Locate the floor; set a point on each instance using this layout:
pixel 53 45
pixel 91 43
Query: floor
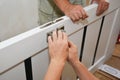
pixel 113 61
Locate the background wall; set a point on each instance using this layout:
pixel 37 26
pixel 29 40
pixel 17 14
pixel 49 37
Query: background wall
pixel 17 16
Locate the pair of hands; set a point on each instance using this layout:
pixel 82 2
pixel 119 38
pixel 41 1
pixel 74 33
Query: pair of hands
pixel 76 12
pixel 60 49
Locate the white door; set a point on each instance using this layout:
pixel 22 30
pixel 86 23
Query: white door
pixel 26 55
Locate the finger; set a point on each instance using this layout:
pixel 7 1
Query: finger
pixel 60 34
pixel 106 6
pixel 73 18
pixel 84 15
pixel 80 15
pixel 103 8
pixel 54 35
pixel 76 15
pixel 65 36
pixel 99 9
pixel 49 40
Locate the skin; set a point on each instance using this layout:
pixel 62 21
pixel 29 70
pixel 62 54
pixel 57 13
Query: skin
pixel 102 6
pixel 60 51
pixel 79 68
pixel 76 12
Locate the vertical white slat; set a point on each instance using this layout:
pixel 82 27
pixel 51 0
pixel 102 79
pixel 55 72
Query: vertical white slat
pixel 113 34
pixel 40 64
pixel 16 73
pixel 76 38
pixel 105 35
pixel 90 43
pixel 68 72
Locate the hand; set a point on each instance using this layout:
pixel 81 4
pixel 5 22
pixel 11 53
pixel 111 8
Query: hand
pixel 102 6
pixel 75 12
pixel 73 53
pixel 58 46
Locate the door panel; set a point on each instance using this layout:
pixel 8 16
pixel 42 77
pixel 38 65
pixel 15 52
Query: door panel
pixel 114 34
pixel 90 43
pixel 16 73
pixel 107 26
pixel 40 64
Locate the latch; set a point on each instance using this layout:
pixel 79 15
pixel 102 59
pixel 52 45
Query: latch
pixel 50 33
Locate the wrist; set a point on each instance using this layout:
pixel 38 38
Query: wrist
pixel 57 62
pixel 74 62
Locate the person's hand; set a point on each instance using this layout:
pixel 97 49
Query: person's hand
pixel 73 53
pixel 102 6
pixel 75 12
pixel 58 46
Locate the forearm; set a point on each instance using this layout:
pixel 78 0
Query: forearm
pixel 62 4
pixel 54 70
pixel 82 71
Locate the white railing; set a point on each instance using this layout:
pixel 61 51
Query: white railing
pixel 25 57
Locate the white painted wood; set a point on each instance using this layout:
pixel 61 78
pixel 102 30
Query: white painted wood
pixel 27 44
pixel 16 73
pixel 110 70
pixel 76 38
pixel 102 47
pixel 113 34
pixel 19 48
pixel 97 64
pixel 40 64
pixel 105 35
pixel 115 28
pixel 90 43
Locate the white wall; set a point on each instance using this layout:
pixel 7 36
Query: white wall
pixel 17 16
